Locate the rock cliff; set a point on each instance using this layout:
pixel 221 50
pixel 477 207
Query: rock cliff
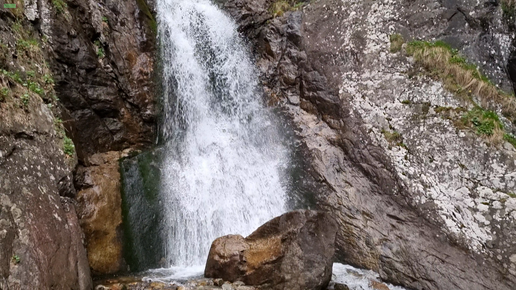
pixel 421 192
pixel 76 90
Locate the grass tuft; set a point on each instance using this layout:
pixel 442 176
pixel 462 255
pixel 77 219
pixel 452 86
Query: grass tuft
pixel 278 8
pixel 397 42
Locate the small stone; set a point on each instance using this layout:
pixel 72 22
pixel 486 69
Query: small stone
pixel 238 283
pixel 227 286
pixel 339 286
pixel 218 282
pixel 378 286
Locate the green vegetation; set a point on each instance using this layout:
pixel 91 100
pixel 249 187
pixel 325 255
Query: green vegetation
pixel 278 8
pixel 25 98
pixel 60 5
pixel 27 45
pixel 486 123
pixel 508 8
pixel 513 195
pixel 104 19
pixel 396 42
pixel 406 102
pixel 100 49
pixel 68 147
pixel 16 259
pixel 394 137
pixel 458 75
pixel 510 138
pixel 464 79
pixel 4 93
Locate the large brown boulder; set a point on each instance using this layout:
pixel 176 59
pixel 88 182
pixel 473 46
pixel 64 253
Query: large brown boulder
pixel 292 251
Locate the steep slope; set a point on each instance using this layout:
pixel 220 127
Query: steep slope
pixel 421 195
pixel 76 94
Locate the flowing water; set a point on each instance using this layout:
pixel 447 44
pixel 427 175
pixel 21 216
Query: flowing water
pixel 224 156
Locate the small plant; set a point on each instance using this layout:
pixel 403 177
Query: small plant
pixel 68 147
pixel 100 49
pixel 31 74
pixel 4 93
pixel 396 42
pixel 510 138
pixel 508 8
pixel 15 76
pixel 486 123
pixel 60 5
pixel 25 98
pixel 16 259
pixel 104 19
pixel 48 79
pixel 279 7
pixel 27 45
pixel 459 76
pixel 406 102
pixel 393 137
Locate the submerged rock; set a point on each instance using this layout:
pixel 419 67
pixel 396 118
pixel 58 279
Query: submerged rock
pixel 292 251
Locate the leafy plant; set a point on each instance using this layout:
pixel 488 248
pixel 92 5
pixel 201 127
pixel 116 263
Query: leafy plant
pixel 25 98
pixel 100 49
pixel 104 19
pixel 68 146
pixel 48 79
pixel 4 93
pixel 16 259
pixel 486 123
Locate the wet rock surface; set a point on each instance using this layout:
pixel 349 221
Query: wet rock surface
pixel 292 251
pixel 434 212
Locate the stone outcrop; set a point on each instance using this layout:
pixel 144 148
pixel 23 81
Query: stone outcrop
pixel 41 242
pixel 292 251
pixel 103 69
pixel 70 72
pixel 100 211
pixel 433 210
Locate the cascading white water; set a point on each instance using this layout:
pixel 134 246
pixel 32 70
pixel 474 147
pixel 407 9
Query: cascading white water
pixel 224 159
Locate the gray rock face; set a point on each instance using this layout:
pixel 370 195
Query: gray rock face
pixel 435 213
pixel 292 251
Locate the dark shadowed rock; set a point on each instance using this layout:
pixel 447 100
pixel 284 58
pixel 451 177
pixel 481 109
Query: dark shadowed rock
pixel 292 251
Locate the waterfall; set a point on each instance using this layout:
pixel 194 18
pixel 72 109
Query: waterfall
pixel 224 155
